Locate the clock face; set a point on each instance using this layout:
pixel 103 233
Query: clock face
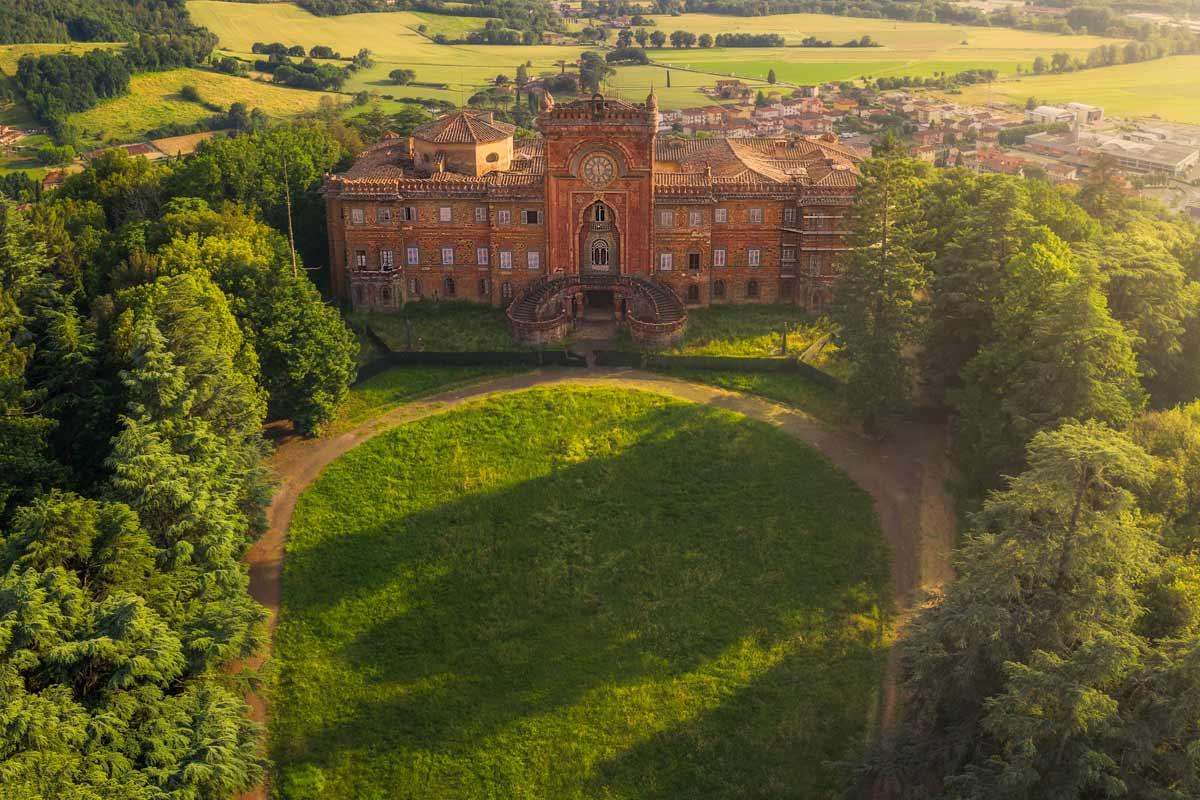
pixel 599 170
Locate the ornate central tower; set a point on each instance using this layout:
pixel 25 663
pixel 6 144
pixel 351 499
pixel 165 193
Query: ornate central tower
pixel 599 184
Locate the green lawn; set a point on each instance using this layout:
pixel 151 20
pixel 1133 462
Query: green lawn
pixel 578 593
pixel 750 330
pixel 789 388
pixel 442 326
pixel 385 391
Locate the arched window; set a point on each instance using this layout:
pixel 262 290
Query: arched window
pixel 448 287
pixel 693 293
pixel 600 213
pixel 506 290
pixel 600 253
pixel 752 289
pixel 485 287
pixel 360 297
pixel 414 287
pixel 718 288
pixel 385 294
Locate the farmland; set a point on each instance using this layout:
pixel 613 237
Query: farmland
pixel 154 100
pixel 1167 87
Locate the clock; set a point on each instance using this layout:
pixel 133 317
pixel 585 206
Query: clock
pixel 599 170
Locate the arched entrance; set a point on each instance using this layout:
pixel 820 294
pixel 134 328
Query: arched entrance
pixel 600 241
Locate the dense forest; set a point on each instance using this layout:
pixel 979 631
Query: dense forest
pixel 150 322
pixel 1058 331
pixel 89 20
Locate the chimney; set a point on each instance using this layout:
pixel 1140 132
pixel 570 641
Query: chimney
pixel 486 116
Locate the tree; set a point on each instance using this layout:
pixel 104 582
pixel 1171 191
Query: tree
pixel 1012 678
pixel 1039 65
pixel 641 37
pixel 403 76
pixel 657 38
pixel 625 38
pixel 771 76
pixel 705 40
pixel 522 75
pixel 876 310
pixel 593 71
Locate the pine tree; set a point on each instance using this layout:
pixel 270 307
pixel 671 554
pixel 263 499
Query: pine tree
pixel 876 305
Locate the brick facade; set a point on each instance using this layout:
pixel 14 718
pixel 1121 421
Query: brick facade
pixel 716 220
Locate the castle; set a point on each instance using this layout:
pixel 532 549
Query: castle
pixel 599 210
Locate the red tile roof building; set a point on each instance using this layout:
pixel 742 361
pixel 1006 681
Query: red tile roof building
pixel 460 210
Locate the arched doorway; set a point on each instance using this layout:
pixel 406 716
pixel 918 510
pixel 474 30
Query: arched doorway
pixel 600 243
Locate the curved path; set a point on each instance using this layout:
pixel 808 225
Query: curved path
pixel 906 476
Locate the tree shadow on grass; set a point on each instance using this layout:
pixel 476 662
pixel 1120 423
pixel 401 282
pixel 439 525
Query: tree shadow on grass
pixel 501 608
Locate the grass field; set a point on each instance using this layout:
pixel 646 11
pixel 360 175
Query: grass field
pixel 750 330
pixel 442 326
pixel 10 54
pixel 400 385
pixel 154 100
pixel 789 388
pixel 578 594
pixel 1168 87
pixel 909 48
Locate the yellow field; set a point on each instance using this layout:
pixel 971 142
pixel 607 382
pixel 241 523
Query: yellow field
pixel 154 100
pixel 1168 87
pixel 10 54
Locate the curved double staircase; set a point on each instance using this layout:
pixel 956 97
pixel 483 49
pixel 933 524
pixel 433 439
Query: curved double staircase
pixel 542 313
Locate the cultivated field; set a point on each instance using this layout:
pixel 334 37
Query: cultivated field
pixel 909 48
pixel 1168 87
pixel 154 100
pixel 10 54
pixel 578 593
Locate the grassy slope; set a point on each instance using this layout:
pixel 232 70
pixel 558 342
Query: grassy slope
pixel 579 593
pixel 1168 87
pixel 154 100
pixel 750 330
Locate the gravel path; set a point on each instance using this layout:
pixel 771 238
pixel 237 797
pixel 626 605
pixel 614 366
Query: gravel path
pixel 906 475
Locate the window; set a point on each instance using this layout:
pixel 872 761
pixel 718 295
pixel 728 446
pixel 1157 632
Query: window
pixel 360 295
pixel 599 213
pixel 385 215
pixel 414 287
pixel 789 216
pixel 385 294
pixel 814 265
pixel 600 253
pixel 356 216
pixel 485 287
pixel 408 214
pixel 752 256
pixel 360 259
pixel 752 289
pixel 532 216
pixel 755 216
pixel 719 257
pixel 448 287
pixel 721 215
pixel 448 256
pixel 694 261
pixel 506 259
pixel 789 253
pixel 693 294
pixel 481 213
pixel 718 288
pixel 445 214
pixel 413 256
pixel 387 260
pixel 506 290
pixel 665 262
pixel 666 218
pixel 533 259
pixel 695 219
pixel 492 158
pixel 504 217
pixel 481 256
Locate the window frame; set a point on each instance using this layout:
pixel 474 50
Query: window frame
pixel 445 214
pixel 482 256
pixel 387 260
pixel 358 216
pixel 666 261
pixel 503 216
pixel 533 260
pixel 753 257
pixel 412 255
pixel 721 215
pixel 754 215
pixel 506 259
pixel 447 249
pixel 481 214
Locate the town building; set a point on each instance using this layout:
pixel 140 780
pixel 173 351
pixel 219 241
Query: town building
pixel 460 210
pixel 1045 115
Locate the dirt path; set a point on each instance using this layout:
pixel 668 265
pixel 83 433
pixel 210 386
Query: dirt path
pixel 905 475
